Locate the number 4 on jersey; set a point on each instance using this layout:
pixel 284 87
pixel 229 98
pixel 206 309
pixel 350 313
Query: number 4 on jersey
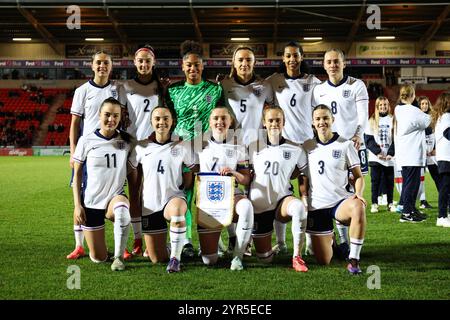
pixel 160 167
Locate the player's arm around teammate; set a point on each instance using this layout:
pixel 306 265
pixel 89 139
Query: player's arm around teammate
pixel 271 192
pixel 105 153
pixel 162 163
pixel 222 155
pixel 329 159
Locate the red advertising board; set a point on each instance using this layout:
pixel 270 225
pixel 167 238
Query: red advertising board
pixel 16 152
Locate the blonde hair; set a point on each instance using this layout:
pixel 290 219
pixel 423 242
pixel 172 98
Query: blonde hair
pixel 406 92
pixel 442 106
pixel 374 120
pixel 233 69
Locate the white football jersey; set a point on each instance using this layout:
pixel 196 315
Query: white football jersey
pixel 273 166
pixel 216 156
pixel 140 100
pixel 162 167
pixel 349 103
pixel 410 146
pixel 442 143
pixel 87 100
pixel 106 163
pixel 328 166
pixel 247 102
pixel 430 140
pixel 294 96
pixel 383 138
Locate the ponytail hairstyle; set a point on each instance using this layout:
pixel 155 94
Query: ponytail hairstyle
pixel 406 92
pixel 233 69
pixel 442 106
pixel 304 67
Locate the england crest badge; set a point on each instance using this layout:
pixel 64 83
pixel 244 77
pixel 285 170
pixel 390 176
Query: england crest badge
pixel 175 152
pixel 216 191
pixel 287 155
pixel 306 87
pixel 336 154
pixel 346 93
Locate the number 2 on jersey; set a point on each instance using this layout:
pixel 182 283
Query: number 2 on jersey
pixel 147 103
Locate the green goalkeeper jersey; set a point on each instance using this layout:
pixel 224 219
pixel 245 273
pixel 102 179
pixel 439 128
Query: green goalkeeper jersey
pixel 193 103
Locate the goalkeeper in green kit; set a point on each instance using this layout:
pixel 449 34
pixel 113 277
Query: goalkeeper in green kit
pixel 192 99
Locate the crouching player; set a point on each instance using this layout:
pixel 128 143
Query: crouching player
pixel 104 152
pixel 329 159
pixel 164 200
pixel 275 163
pixel 220 154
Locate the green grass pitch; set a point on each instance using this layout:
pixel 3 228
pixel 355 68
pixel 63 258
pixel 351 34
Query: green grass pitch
pixel 36 235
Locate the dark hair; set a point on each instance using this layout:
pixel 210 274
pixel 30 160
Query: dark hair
pixel 101 52
pixel 320 107
pixel 110 100
pixel 162 105
pixel 146 47
pixel 191 47
pixel 234 122
pixel 304 67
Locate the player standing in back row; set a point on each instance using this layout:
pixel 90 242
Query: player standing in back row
pixel 193 99
pixel 348 100
pixel 293 88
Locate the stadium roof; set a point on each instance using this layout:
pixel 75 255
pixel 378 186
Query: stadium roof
pixel 267 21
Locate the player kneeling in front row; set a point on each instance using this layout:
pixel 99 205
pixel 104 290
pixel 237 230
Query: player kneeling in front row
pixel 105 152
pixel 329 159
pixel 164 200
pixel 275 163
pixel 220 154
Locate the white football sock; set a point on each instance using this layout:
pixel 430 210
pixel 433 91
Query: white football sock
pixel 343 232
pixel 79 236
pixel 355 248
pixel 244 226
pixel 137 227
pixel 296 209
pixel 121 227
pixel 177 236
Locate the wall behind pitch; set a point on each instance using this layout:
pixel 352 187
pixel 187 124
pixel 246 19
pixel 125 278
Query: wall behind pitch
pixel 32 51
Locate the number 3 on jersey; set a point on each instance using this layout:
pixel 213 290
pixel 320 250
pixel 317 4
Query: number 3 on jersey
pixel 160 167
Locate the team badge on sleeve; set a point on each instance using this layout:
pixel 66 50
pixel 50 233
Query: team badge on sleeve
pixel 216 191
pixel 287 155
pixel 336 154
pixel 346 93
